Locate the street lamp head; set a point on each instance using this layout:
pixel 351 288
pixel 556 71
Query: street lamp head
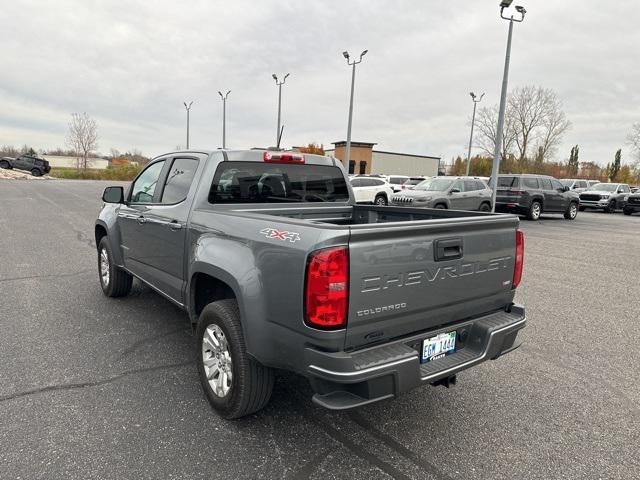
pixel 473 95
pixel 285 77
pixel 481 96
pixel 229 91
pixel 506 3
pixel 275 77
pixel 345 54
pixel 521 10
pixel 220 93
pixel 363 53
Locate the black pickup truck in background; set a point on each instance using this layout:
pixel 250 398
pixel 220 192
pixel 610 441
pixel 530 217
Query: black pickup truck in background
pixel 30 163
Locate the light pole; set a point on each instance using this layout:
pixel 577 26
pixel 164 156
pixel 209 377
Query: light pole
pixel 224 117
pixel 473 121
pixel 347 153
pixel 495 170
pixel 279 84
pixel 188 108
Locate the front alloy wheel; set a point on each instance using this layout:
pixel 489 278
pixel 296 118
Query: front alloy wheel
pixel 104 268
pixel 217 361
pixel 381 200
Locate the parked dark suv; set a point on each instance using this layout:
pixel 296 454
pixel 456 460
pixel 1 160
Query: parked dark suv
pixel 37 166
pixel 633 204
pixel 532 195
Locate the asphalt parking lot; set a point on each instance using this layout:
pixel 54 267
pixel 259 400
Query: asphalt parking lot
pixel 92 387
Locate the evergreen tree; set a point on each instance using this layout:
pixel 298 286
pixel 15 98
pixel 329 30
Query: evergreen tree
pixel 614 168
pixel 573 161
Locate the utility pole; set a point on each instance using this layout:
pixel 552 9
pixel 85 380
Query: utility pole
pixel 473 121
pixel 224 117
pixel 495 170
pixel 279 84
pixel 353 63
pixel 188 108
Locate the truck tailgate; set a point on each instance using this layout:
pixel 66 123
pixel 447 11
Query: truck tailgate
pixel 413 276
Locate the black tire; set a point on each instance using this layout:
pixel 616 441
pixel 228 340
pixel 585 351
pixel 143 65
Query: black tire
pixel 572 211
pixel 118 283
pixel 485 207
pixel 36 173
pixel 441 206
pixel 626 211
pixel 535 210
pixel 5 164
pixel 381 200
pixel 611 207
pixel 251 382
pixel 581 208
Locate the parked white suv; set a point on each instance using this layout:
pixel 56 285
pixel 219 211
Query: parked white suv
pixel 396 181
pixel 371 190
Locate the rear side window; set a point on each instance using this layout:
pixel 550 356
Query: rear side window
pixel 507 182
pixel 470 186
pixel 528 182
pixel 545 184
pixel 179 180
pixel 397 180
pixel 258 182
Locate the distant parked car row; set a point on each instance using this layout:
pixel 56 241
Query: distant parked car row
pixel 529 195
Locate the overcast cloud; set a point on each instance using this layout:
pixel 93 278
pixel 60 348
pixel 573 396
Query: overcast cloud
pixel 130 65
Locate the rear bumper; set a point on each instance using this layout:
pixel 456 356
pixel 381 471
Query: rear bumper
pixel 509 207
pixel 346 380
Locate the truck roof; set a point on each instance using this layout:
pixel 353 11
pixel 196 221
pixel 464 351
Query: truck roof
pixel 257 155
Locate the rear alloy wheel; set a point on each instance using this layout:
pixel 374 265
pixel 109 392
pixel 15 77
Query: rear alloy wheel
pixel 611 208
pixel 572 211
pixel 534 210
pixel 5 164
pixel 234 383
pixel 381 200
pixel 36 173
pixel 485 207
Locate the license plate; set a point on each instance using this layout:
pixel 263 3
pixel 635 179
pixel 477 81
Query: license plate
pixel 437 347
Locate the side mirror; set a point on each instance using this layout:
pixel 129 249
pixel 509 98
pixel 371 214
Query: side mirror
pixel 454 190
pixel 566 189
pixel 113 195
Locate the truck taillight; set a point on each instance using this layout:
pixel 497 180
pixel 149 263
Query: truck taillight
pixel 517 271
pixel 327 288
pixel 277 157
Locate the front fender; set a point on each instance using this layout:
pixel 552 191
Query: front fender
pixel 108 219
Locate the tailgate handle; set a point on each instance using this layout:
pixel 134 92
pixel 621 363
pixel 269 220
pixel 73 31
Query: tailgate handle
pixel 447 249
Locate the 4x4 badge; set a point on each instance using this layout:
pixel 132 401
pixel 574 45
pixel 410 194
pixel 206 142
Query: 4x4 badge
pixel 280 234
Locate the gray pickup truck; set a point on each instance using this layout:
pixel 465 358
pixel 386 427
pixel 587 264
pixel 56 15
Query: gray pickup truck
pixel 278 268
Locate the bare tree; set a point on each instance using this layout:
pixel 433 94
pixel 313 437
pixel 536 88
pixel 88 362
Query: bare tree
pixel 633 139
pixel 553 129
pixel 82 137
pixel 534 122
pixel 486 123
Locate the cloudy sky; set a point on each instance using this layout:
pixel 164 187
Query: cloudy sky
pixel 130 65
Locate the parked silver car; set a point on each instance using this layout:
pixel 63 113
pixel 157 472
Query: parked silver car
pixel 456 193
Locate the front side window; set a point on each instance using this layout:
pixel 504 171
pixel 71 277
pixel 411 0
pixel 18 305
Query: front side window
pixel 144 187
pixel 434 185
pixel 557 185
pixel 179 180
pixel 258 182
pixel 625 189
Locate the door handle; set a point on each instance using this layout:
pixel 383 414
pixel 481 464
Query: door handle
pixel 447 249
pixel 141 220
pixel 175 225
